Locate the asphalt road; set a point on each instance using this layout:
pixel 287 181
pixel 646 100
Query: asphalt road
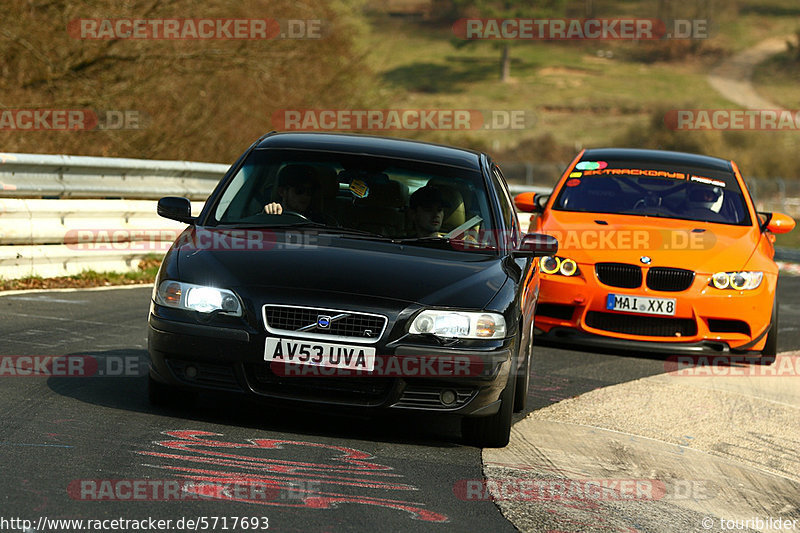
pixel 66 440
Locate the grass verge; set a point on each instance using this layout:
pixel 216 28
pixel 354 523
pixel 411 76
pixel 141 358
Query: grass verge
pixel 145 274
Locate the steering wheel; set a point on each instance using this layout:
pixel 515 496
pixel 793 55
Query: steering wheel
pixel 649 201
pixel 295 213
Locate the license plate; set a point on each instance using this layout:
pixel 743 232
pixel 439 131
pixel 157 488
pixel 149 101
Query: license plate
pixel 641 304
pixel 319 354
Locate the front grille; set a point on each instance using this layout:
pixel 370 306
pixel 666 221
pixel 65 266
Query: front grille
pixel 366 391
pixel 204 374
pixel 619 275
pixel 428 398
pixel 561 311
pixel 642 325
pixel 719 325
pixel 669 279
pixel 305 322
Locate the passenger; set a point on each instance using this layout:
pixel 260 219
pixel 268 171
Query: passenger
pixel 426 209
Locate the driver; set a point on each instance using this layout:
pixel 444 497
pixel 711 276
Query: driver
pixel 296 186
pixel 426 209
pixel 705 197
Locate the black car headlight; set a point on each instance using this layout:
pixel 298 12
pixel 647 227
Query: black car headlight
pixel 459 324
pixel 199 298
pixel 738 281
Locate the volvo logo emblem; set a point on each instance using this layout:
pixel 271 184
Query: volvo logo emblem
pixel 323 321
pixel 645 259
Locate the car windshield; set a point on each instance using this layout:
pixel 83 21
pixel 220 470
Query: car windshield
pixel 358 195
pixel 628 188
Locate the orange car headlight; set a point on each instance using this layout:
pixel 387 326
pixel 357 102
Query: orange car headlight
pixel 745 280
pixel 558 265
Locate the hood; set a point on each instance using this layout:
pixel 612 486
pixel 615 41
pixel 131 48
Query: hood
pixel 339 269
pixel 704 247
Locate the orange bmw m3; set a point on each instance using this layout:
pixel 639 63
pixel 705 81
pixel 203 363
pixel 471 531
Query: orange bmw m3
pixel 658 251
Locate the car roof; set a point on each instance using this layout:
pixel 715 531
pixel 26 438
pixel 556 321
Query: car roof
pixel 658 156
pixel 373 145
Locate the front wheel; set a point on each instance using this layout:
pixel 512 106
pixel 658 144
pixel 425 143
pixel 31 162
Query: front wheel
pixel 523 379
pixel 493 431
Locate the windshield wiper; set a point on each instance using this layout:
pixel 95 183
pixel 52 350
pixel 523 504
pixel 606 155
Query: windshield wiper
pixel 423 239
pixel 343 231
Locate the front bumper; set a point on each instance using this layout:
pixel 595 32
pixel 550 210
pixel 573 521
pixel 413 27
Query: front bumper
pixel 209 357
pixel 573 310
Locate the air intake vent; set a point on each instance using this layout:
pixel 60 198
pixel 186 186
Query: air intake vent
pixel 642 325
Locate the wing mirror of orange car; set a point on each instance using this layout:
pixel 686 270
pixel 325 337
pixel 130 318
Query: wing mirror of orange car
pixel 536 245
pixel 531 202
pixel 777 222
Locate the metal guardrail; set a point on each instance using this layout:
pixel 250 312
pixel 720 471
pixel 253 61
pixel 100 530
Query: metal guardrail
pixel 50 204
pixel 65 176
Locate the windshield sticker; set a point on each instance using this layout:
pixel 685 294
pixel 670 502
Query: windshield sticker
pixel 637 172
pixel 575 174
pixel 591 165
pixel 359 189
pixel 708 181
pixel 574 182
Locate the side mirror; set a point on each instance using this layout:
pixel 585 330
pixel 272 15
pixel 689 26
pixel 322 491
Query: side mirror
pixel 531 202
pixel 536 245
pixel 176 208
pixel 777 223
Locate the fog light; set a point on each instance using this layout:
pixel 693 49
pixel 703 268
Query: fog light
pixel 448 397
pixel 191 372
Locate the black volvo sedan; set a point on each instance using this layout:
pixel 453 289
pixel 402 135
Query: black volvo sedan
pixel 352 271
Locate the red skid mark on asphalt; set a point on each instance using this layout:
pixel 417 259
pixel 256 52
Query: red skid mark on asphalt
pixel 348 468
pixel 278 469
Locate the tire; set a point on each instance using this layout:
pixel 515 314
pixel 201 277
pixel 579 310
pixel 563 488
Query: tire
pixel 524 378
pixel 493 431
pixel 770 350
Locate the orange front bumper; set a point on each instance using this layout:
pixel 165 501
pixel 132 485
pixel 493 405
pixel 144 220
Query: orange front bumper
pixel 738 319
